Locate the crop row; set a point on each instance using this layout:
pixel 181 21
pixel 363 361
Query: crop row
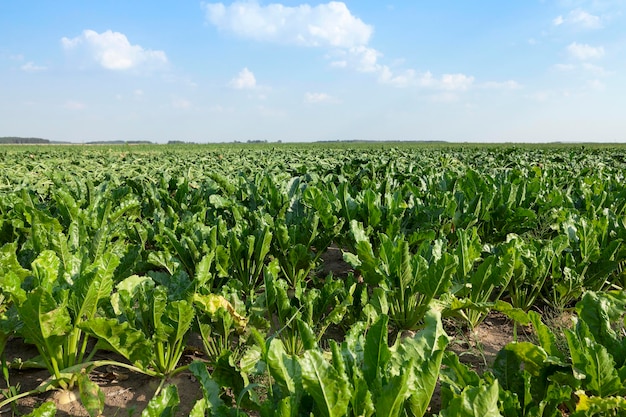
pixel 137 250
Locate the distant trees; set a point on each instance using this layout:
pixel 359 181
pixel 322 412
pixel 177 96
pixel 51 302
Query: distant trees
pixel 18 140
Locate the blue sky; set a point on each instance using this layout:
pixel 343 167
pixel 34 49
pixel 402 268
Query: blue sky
pixel 482 71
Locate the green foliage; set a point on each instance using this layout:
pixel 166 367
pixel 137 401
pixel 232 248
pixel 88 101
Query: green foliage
pixel 164 404
pixel 410 282
pixel 137 247
pixel 149 329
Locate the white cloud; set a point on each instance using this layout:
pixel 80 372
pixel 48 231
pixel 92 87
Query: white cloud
pixel 403 79
pixel 584 51
pixel 315 98
pixel 595 70
pixel 113 51
pixel 564 67
pixel 31 67
pixel 456 82
pixel 245 80
pixel 366 58
pixel 584 19
pixel 579 18
pixel 329 24
pixel 339 64
pixel 361 58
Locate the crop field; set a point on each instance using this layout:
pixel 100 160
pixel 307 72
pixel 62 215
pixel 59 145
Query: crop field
pixel 313 280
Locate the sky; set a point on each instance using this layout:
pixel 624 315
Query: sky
pixel 468 71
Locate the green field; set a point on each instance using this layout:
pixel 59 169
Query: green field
pixel 120 255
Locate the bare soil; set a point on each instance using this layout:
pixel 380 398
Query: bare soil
pixel 126 393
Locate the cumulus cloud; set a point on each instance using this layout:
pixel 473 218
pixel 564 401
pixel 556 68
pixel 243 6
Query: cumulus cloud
pixel 584 19
pixel 245 80
pixel 585 52
pixel 315 98
pixel 456 82
pixel 31 67
pixel 113 51
pixel 446 82
pixel 403 78
pixel 580 18
pixel 329 24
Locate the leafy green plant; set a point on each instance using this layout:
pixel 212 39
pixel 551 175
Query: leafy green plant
pixel 476 285
pixel 365 376
pixel 53 310
pixel 248 250
pixel 300 317
pixel 590 263
pixel 303 229
pixel 149 329
pixel 536 261
pixel 219 323
pixel 164 404
pixel 409 281
pixel 585 379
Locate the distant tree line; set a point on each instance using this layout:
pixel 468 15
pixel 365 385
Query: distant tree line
pixel 17 140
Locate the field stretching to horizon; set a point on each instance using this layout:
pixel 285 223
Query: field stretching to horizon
pixel 323 279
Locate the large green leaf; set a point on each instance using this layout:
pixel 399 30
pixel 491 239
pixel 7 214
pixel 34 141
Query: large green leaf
pixel 46 270
pixel 121 338
pixel 164 404
pixel 210 388
pixel 284 368
pixel 91 396
pixel 547 338
pixel 468 251
pixel 390 399
pixel 92 287
pixel 47 409
pixel 481 401
pixel 330 389
pixel 46 322
pixel 376 353
pixel 420 357
pixel 598 366
pixel 601 313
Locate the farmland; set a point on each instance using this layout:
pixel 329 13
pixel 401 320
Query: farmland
pixel 213 264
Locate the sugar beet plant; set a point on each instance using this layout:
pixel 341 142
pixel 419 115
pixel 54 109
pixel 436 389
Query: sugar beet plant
pixel 135 249
pixel 410 281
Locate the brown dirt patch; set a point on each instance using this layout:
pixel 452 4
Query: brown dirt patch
pixel 126 393
pixel 332 262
